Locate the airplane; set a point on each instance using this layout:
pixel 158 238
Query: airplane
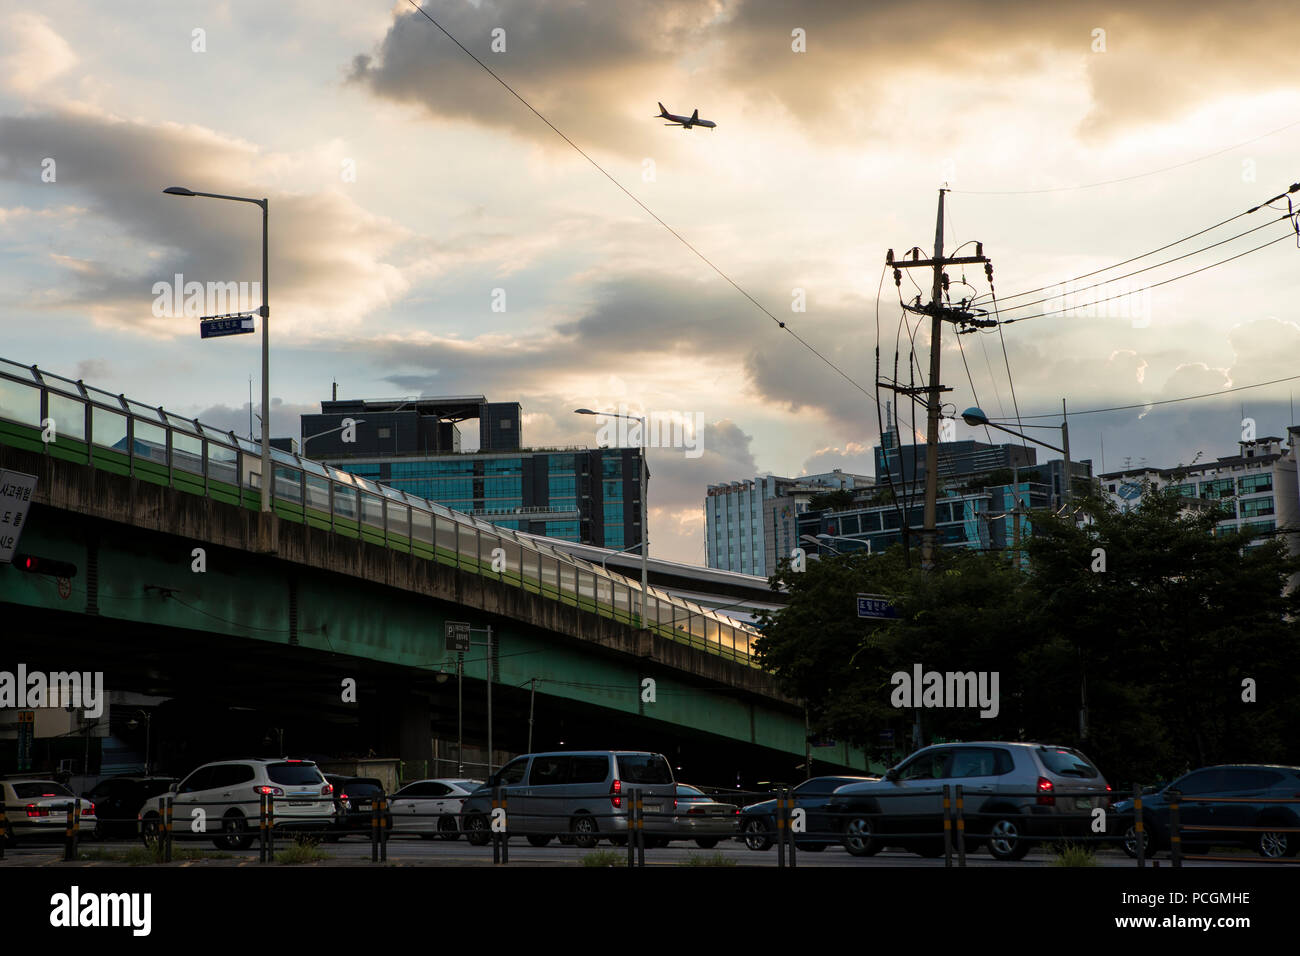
pixel 685 122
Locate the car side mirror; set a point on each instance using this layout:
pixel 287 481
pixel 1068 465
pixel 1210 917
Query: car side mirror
pixel 172 788
pixel 891 774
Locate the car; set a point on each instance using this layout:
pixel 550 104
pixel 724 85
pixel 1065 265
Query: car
pixel 37 807
pixel 118 801
pixel 758 820
pixel 431 807
pixel 1010 795
pixel 701 818
pixel 578 796
pixel 1252 790
pixel 354 803
pixel 224 797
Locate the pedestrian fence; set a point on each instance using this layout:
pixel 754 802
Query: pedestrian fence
pixel 949 821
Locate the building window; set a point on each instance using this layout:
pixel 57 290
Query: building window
pixel 1255 483
pixel 1255 507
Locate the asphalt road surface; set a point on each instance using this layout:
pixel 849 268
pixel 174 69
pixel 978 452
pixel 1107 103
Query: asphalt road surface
pixel 408 851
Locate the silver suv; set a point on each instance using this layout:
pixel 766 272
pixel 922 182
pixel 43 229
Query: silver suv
pixel 577 796
pixel 224 798
pixel 1013 792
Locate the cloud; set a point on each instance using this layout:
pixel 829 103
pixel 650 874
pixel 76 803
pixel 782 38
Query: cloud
pixel 32 54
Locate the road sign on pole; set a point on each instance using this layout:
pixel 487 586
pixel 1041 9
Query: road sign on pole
pixel 877 607
pixel 226 325
pixel 15 498
pixel 457 636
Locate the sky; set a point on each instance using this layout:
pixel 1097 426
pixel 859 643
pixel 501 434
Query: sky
pixel 431 234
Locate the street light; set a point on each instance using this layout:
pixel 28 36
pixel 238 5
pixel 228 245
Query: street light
pixel 645 520
pixel 265 312
pixel 133 723
pixel 975 416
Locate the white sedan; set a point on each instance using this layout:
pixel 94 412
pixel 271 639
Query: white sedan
pixel 431 807
pixel 36 807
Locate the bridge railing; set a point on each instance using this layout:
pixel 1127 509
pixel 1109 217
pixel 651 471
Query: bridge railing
pixel 75 422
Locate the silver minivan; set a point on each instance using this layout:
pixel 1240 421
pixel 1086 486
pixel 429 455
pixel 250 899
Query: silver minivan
pixel 580 796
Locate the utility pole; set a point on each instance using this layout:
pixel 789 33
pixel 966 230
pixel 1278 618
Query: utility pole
pixel 938 314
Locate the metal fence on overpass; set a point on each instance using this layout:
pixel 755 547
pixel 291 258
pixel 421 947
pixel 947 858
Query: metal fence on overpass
pixel 111 432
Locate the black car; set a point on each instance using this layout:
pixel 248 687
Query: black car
pixel 118 801
pixel 1253 790
pixel 758 820
pixel 354 805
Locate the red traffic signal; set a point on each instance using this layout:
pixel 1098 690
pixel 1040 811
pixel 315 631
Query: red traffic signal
pixel 37 565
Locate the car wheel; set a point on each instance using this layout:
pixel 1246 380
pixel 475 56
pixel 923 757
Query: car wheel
pixel 584 831
pixel 860 837
pixel 476 830
pixel 1007 839
pixel 538 839
pixel 447 828
pixel 234 833
pixel 1275 845
pixel 1130 842
pixel 756 834
pixel 706 843
pixel 150 829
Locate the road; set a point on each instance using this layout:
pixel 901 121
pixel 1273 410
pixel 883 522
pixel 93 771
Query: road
pixel 406 851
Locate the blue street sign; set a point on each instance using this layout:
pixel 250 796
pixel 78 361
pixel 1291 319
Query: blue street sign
pixel 236 325
pixel 876 607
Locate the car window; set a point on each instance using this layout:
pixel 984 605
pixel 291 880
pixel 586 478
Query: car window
pixel 1200 781
pixel 973 762
pixel 686 791
pixel 928 766
pixel 590 768
pixel 362 788
pixel 41 788
pixel 644 768
pixel 1067 763
pixel 548 771
pixel 294 774
pixel 1245 779
pixel 513 772
pixel 196 781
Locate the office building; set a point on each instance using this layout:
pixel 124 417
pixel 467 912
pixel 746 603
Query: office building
pixel 583 495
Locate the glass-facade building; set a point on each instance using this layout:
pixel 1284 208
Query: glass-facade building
pixel 587 496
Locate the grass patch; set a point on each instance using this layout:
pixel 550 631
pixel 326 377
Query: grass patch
pixel 605 858
pixel 716 858
pixel 1074 854
pixel 305 849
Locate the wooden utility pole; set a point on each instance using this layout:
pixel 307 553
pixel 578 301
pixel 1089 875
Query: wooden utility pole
pixel 938 315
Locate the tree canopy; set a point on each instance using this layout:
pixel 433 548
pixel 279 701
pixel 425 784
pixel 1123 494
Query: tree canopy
pixel 1147 621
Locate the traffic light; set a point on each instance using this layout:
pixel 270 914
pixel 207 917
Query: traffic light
pixel 37 565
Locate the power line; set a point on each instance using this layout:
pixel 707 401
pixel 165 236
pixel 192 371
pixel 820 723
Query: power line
pixel 1129 275
pixel 1171 401
pixel 1154 285
pixel 647 209
pixel 1125 179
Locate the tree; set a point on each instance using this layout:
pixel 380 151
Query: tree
pixel 838 500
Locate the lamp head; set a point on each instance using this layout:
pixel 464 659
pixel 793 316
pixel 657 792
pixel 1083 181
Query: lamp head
pixel 583 411
pixel 974 416
pixel 178 191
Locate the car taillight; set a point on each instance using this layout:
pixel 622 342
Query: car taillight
pixel 91 811
pixel 34 811
pixel 273 791
pixel 326 790
pixel 674 803
pixel 736 811
pixel 1045 788
pixel 343 797
pixel 614 790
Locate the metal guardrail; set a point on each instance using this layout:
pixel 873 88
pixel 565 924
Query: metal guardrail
pixel 110 432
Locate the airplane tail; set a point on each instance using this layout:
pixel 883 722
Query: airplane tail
pixel 662 111
pixel 695 116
